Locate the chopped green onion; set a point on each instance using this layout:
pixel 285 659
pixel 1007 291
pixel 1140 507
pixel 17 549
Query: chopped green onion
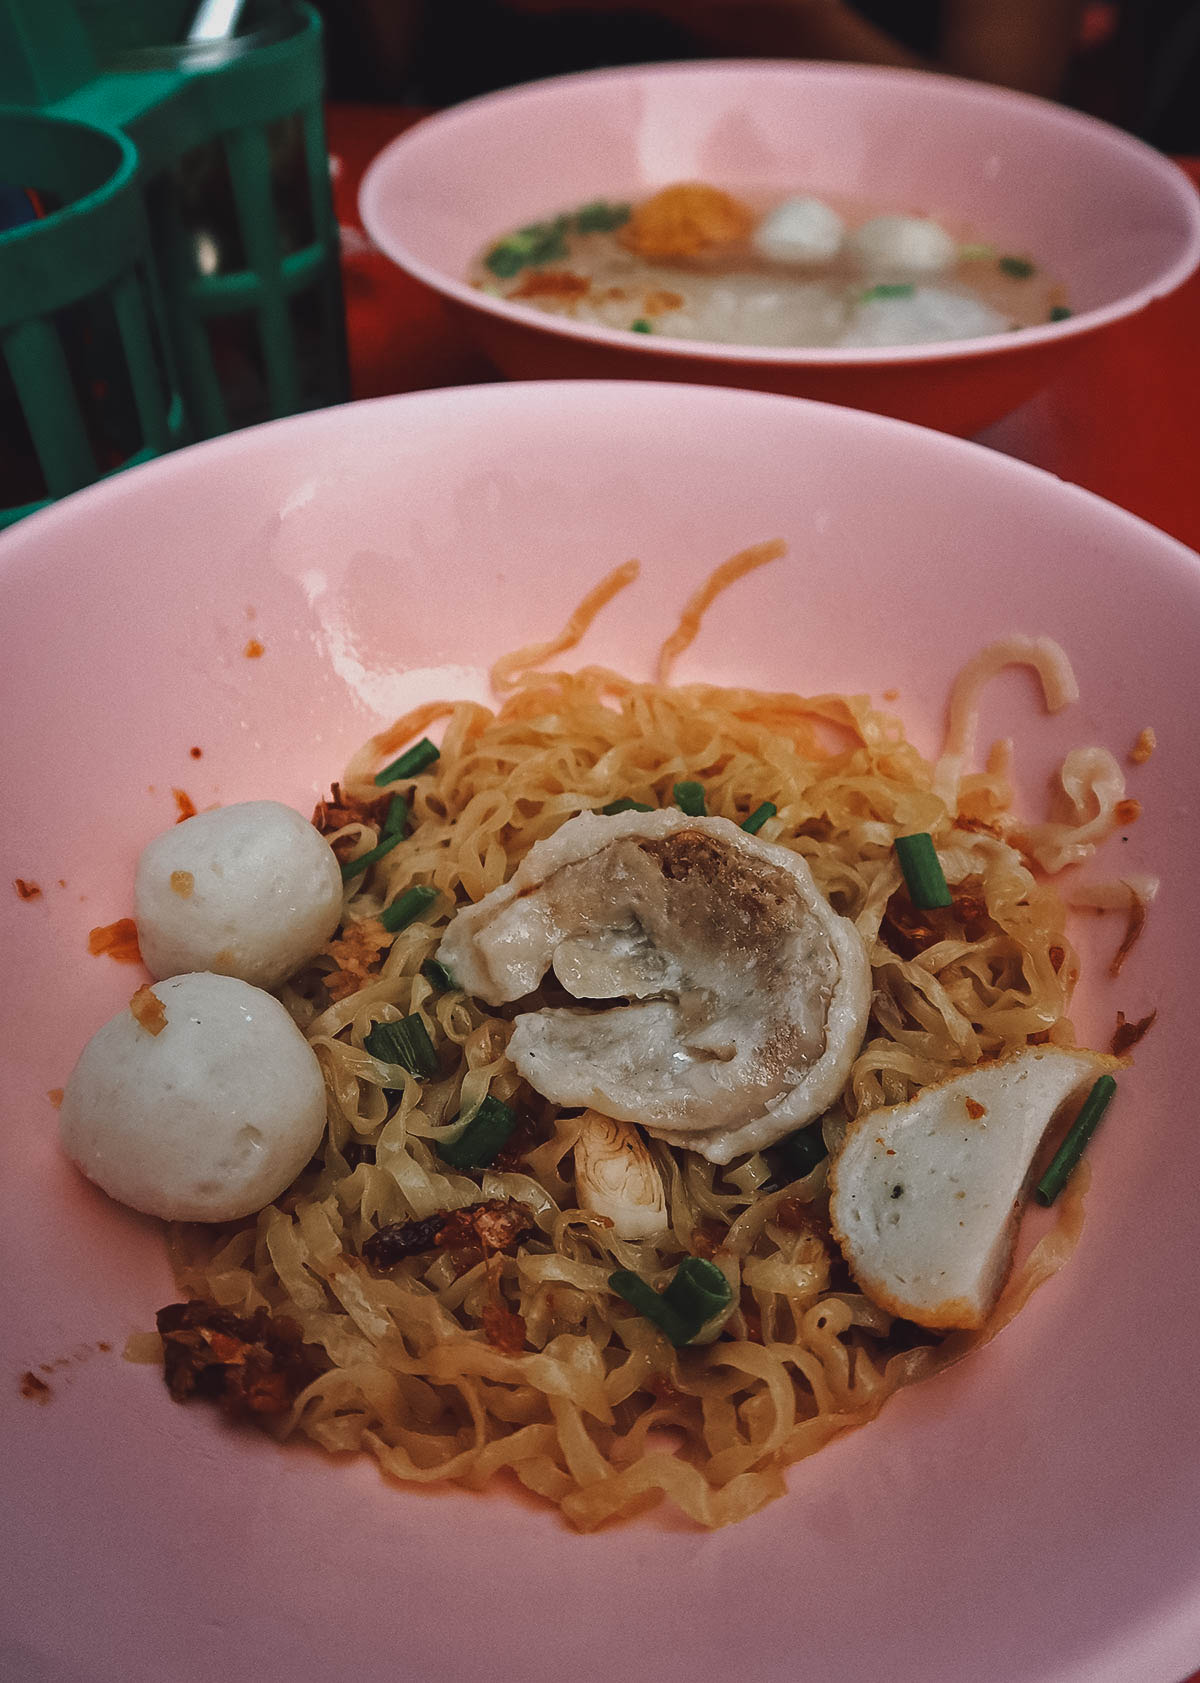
pixel 1060 312
pixel 407 906
pixel 601 218
pixel 396 821
pixel 1079 1133
pixel 413 760
pixel 505 260
pixel 758 817
pixel 890 289
pixel 485 1134
pixel 641 325
pixel 800 1152
pixel 624 805
pixel 697 1292
pixel 406 1042
pixel 689 798
pixel 1020 268
pixel 438 976
pixel 391 832
pixel 540 242
pixel 922 872
pixel 975 253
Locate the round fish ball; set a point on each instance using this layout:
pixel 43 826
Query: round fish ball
pixel 903 245
pixel 800 231
pixel 206 1116
pixel 930 315
pixel 251 890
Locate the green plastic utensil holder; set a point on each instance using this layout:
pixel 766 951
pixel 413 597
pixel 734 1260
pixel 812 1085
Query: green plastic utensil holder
pixel 86 382
pixel 224 161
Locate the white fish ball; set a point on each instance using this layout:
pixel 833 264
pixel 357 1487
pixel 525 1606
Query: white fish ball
pixel 929 315
pixel 800 231
pixel 207 1120
pixel 250 890
pixel 903 245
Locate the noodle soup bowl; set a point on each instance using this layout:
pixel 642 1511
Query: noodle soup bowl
pixel 1116 223
pixel 232 623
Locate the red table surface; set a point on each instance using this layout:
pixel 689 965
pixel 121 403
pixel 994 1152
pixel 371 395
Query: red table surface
pixel 1124 421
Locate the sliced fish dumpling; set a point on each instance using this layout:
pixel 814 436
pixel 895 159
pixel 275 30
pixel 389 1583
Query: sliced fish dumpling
pixel 726 999
pixel 925 1197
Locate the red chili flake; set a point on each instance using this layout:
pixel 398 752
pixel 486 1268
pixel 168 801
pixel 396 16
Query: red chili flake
pixel 35 1389
pixel 148 1010
pixel 909 930
pixel 1127 811
pixel 553 283
pixel 974 1109
pixel 492 1226
pixel 116 940
pixel 184 804
pixel 55 1095
pixel 253 650
pixel 27 890
pixel 1133 928
pixel 707 1239
pixel 196 753
pixel 1127 1034
pixel 342 809
pixel 525 1137
pixel 254 1366
pixel 1058 957
pixel 504 1329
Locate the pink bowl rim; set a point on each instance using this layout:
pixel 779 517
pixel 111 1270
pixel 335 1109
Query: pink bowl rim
pixel 431 131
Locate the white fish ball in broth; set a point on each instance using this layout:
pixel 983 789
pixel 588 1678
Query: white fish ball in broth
pixel 928 315
pixel 250 890
pixel 903 245
pixel 800 231
pixel 201 1101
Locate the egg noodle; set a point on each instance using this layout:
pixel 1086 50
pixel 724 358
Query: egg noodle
pixel 448 1367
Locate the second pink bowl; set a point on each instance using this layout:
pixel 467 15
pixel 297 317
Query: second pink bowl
pixel 1118 223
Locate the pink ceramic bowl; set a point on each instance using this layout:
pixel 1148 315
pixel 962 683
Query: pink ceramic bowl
pixel 1114 220
pixel 1030 1516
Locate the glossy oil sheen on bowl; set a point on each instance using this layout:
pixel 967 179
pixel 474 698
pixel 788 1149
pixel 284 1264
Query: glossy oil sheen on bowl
pixel 1029 1517
pixel 1115 221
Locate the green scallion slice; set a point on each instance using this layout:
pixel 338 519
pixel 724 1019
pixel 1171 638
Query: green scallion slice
pixel 391 832
pixel 438 976
pixel 800 1152
pixel 407 907
pixel 1019 268
pixel 689 798
pixel 624 805
pixel 484 1135
pixel 697 1291
pixel 1079 1133
pixel 413 760
pixel 1060 312
pixel 396 821
pixel 505 260
pixel 922 872
pixel 758 817
pixel 890 289
pixel 406 1043
pixel 641 325
pixel 600 217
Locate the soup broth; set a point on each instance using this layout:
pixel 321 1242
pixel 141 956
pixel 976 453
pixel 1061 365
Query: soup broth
pixel 693 262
